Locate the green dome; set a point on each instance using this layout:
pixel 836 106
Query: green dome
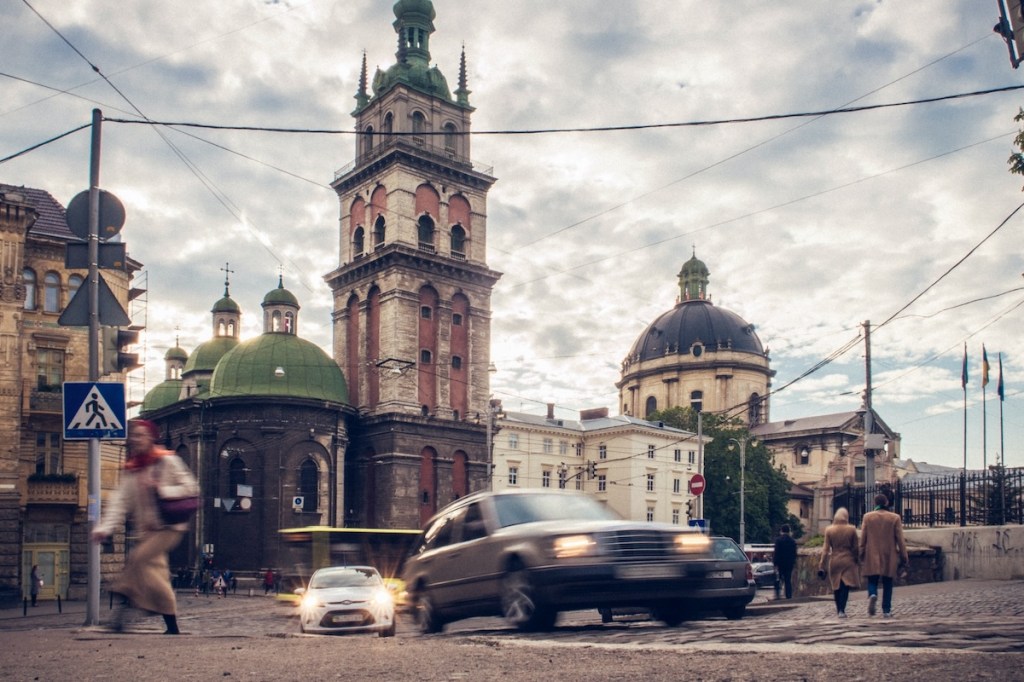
pixel 426 79
pixel 226 305
pixel 280 365
pixel 207 354
pixel 407 7
pixel 163 394
pixel 176 353
pixel 280 296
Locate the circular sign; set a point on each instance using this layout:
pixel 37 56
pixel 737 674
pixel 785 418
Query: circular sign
pixel 697 484
pixel 111 215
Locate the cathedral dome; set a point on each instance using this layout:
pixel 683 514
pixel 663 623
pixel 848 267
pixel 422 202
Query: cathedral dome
pixel 280 296
pixel 226 305
pixel 163 394
pixel 207 354
pixel 695 327
pixel 279 364
pixel 425 8
pixel 176 353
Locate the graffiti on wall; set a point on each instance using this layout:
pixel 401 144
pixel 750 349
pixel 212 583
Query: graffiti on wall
pixel 995 541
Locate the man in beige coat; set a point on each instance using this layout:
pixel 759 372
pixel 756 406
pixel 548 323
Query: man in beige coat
pixel 882 552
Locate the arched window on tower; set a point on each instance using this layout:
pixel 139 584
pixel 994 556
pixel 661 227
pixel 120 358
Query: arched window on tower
pixel 51 292
pixel 697 400
pixel 651 405
pixel 358 239
pixel 419 126
pixel 368 140
pixel 309 485
pixel 754 415
pixel 449 139
pixel 425 227
pixel 389 124
pixel 275 321
pixel 378 231
pixel 28 277
pixel 458 241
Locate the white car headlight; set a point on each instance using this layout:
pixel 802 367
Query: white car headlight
pixel 571 546
pixel 310 601
pixel 692 543
pixel 382 598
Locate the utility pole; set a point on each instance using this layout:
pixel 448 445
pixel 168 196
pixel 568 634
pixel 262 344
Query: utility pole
pixel 869 453
pixel 92 610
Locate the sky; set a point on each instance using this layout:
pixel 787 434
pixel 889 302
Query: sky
pixel 901 216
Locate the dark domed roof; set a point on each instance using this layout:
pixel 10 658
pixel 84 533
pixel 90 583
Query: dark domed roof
pixel 280 296
pixel 695 322
pixel 176 353
pixel 163 394
pixel 279 364
pixel 226 305
pixel 206 355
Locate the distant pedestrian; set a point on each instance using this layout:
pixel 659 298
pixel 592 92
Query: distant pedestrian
pixel 839 559
pixel 277 582
pixel 35 582
pixel 784 559
pixel 268 581
pixel 882 553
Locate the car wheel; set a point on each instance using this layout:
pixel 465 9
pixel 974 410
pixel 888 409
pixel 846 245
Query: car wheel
pixel 426 614
pixel 734 612
pixel 519 603
pixel 671 615
pixel 388 631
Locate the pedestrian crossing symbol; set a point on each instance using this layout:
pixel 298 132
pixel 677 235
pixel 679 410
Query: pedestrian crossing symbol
pixel 94 409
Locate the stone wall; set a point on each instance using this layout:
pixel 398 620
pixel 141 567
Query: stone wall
pixel 988 552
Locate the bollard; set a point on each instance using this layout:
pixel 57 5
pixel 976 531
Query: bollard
pixel 24 607
pixel 58 605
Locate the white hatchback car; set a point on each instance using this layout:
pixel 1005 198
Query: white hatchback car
pixel 347 599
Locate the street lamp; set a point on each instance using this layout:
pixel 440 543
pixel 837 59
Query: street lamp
pixel 742 443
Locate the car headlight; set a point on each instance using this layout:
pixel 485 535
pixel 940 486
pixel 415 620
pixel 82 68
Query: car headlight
pixel 382 598
pixel 570 546
pixel 310 601
pixel 692 543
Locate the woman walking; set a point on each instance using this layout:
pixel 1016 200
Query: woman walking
pixel 146 581
pixel 839 557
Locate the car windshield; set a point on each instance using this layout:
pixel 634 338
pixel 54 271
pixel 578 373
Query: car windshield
pixel 515 509
pixel 727 550
pixel 354 577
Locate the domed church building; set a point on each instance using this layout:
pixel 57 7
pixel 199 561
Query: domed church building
pixel 697 355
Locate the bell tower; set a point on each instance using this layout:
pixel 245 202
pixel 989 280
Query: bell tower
pixel 412 291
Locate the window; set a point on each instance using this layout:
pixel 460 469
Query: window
pixel 677 486
pixel 651 407
pixel 456 362
pixel 545 478
pixel 236 475
pixel 368 139
pixel 691 457
pixel 675 517
pixel 458 242
pixel 579 449
pixel 425 229
pixel 650 451
pixel 562 478
pixel 48 453
pixel 803 455
pixel 563 447
pixel 419 125
pixel 677 455
pixel 74 283
pixel 309 488
pixel 49 369
pixel 358 239
pixel 602 452
pixel 754 409
pixel 513 441
pixel 379 228
pixel 513 475
pixel 650 483
pixel 425 357
pixel 579 483
pixel 549 446
pixel 858 474
pixel 29 277
pixel 696 400
pixel 51 292
pixel 456 320
pixel 602 483
pixel 650 513
pixel 425 312
pixel 449 137
pixel 388 124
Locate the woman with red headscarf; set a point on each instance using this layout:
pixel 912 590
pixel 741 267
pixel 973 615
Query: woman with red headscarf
pixel 146 579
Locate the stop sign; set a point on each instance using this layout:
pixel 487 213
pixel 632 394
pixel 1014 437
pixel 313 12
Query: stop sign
pixel 697 484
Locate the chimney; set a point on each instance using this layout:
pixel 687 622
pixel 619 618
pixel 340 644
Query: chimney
pixel 551 410
pixel 594 413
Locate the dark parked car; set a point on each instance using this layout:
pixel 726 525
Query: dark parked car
pixel 528 554
pixel 764 574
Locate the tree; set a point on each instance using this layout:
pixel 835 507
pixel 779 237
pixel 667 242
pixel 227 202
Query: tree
pixel 766 488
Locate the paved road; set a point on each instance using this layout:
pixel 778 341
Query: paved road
pixel 960 630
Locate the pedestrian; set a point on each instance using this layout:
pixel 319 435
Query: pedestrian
pixel 784 559
pixel 268 581
pixel 839 559
pixel 277 581
pixel 35 582
pixel 883 552
pixel 145 580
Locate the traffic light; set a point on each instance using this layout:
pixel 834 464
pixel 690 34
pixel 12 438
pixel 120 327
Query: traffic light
pixel 591 470
pixel 689 509
pixel 115 341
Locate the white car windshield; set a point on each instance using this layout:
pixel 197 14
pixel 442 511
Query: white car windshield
pixel 348 578
pixel 515 509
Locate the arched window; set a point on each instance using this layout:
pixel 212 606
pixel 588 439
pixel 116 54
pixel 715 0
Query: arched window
pixel 419 126
pixel 651 406
pixel 236 475
pixel 458 240
pixel 368 139
pixel 289 322
pixel 74 283
pixel 378 231
pixel 425 357
pixel 426 233
pixel 388 126
pixel 357 241
pixel 28 276
pixel 754 415
pixel 275 321
pixel 51 292
pixel 449 138
pixel 309 485
pixel 697 400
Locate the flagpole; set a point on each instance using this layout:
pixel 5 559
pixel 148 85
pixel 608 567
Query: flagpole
pixel 963 385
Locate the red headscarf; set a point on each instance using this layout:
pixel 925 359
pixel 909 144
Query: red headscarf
pixel 140 460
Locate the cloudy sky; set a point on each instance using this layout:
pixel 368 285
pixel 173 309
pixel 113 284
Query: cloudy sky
pixel 899 215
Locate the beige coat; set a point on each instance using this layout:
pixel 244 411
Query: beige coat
pixel 839 556
pixel 882 548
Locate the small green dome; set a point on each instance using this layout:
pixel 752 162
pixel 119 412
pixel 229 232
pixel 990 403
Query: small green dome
pixel 163 394
pixel 407 7
pixel 280 296
pixel 226 305
pixel 277 364
pixel 176 353
pixel 207 354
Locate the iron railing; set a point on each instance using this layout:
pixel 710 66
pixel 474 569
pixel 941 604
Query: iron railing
pixel 977 498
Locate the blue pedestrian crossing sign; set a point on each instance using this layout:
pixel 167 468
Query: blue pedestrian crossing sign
pixel 94 409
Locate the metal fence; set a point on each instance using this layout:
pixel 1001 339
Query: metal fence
pixel 979 498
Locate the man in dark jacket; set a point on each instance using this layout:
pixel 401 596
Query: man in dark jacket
pixel 784 560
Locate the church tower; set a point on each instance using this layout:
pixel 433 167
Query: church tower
pixel 412 293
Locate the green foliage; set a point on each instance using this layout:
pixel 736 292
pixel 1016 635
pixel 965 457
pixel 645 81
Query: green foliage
pixel 814 541
pixel 1016 160
pixel 766 488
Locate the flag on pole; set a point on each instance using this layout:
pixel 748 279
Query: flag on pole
pixel 999 386
pixel 963 372
pixel 984 367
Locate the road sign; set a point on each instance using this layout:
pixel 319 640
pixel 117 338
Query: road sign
pixel 76 314
pixel 111 215
pixel 698 523
pixel 94 409
pixel 697 484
